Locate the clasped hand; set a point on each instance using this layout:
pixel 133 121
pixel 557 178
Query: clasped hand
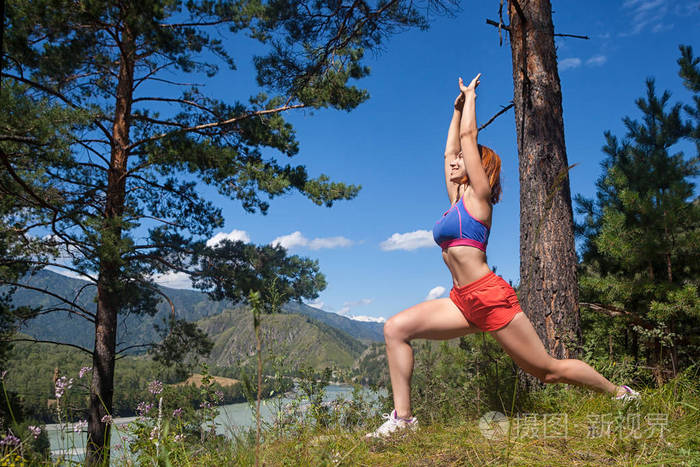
pixel 464 91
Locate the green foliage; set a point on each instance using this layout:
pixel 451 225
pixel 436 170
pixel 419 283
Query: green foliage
pixel 640 256
pixel 120 168
pixel 465 378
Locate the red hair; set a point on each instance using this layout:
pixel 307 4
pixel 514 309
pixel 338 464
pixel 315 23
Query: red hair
pixel 492 166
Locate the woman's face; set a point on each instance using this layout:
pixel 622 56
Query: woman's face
pixel 457 170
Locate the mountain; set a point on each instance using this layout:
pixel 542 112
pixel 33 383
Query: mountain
pixel 299 339
pixel 137 329
pixel 63 326
pixel 365 331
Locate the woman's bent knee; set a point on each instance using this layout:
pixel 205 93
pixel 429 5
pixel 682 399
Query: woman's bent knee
pixel 393 329
pixel 548 374
pixel 551 374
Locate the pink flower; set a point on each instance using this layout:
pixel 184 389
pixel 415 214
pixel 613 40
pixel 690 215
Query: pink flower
pixel 107 419
pixel 156 387
pixel 80 426
pixel 84 370
pixel 177 412
pixel 63 384
pixel 35 431
pixel 10 440
pixel 143 408
pixel 179 438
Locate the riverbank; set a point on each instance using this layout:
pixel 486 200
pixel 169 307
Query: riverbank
pixel 232 420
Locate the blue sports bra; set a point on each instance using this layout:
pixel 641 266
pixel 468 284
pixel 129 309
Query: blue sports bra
pixel 458 227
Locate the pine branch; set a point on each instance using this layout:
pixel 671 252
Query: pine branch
pixel 216 124
pixel 60 96
pixel 179 101
pixel 499 113
pixel 46 263
pixel 38 341
pixel 507 28
pixel 46 311
pixel 135 346
pixel 51 294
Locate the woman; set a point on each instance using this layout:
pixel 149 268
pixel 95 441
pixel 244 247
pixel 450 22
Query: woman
pixel 479 300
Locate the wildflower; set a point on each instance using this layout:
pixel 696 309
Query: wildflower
pixel 117 447
pixel 219 396
pixel 80 426
pixel 2 375
pixel 107 419
pixel 35 431
pixel 143 408
pixel 179 438
pixel 177 412
pixel 155 434
pixel 63 384
pixel 10 440
pixel 84 370
pixel 156 387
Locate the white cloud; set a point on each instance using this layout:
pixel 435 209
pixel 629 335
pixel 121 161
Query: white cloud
pixel 66 272
pixel 644 13
pixel 368 319
pixel 661 27
pixel 329 242
pixel 290 241
pixel 596 60
pixel 296 239
pixel 569 63
pixel 174 280
pixel 234 235
pixel 361 302
pixel 436 292
pixel 347 306
pixel 408 241
pixel 318 304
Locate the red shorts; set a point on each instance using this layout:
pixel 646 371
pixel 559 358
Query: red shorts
pixel 488 303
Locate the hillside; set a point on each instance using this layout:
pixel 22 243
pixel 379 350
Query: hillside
pixel 190 305
pixel 300 339
pixel 66 327
pixel 364 331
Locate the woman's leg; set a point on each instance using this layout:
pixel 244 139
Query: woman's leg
pixel 520 340
pixel 434 319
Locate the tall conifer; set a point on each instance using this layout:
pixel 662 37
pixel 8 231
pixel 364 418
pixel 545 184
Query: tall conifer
pixel 641 234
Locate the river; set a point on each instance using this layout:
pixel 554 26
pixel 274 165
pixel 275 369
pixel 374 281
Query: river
pixel 232 418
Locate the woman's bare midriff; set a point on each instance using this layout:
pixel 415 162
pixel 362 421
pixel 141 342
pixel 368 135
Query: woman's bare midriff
pixel 467 264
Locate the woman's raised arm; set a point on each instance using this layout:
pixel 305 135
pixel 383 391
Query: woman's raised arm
pixel 453 147
pixel 478 181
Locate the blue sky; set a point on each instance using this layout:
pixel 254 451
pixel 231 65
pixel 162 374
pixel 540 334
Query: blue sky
pixel 376 251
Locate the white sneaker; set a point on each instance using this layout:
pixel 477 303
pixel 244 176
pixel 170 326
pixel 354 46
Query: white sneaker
pixel 629 394
pixel 393 424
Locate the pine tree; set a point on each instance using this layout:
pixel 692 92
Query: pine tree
pixel 641 233
pixel 548 290
pixel 131 167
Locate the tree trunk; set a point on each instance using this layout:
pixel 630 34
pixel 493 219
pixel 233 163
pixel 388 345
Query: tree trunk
pixel 108 287
pixel 548 284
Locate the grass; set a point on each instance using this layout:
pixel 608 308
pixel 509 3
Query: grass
pixel 537 438
pixel 562 425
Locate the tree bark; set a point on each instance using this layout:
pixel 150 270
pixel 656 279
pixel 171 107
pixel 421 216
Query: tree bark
pixel 548 283
pixel 108 293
